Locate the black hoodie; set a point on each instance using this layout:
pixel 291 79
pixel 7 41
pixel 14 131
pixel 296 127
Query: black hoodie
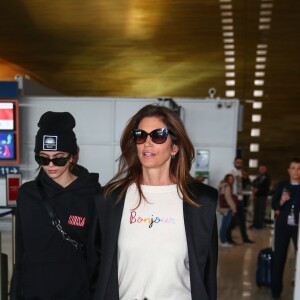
pixel 48 266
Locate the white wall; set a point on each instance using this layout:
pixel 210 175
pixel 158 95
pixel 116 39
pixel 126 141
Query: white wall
pixel 214 129
pixel 101 120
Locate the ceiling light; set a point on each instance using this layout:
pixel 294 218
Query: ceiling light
pixel 255 132
pixel 230 74
pixel 226 13
pixel 253 163
pixel 228 41
pixel 262 46
pixel 264 27
pixel 257 105
pixel 227 20
pixel 260 66
pixel 258 93
pixel 266 12
pixel 229 59
pixel 266 5
pixel 256 118
pixel 265 20
pixel 261 59
pixel 229 46
pixel 230 82
pixel 228 33
pixel 254 147
pixel 261 52
pixel 226 6
pixel 259 74
pixel 259 82
pixel 229 67
pixel 230 93
pixel 227 27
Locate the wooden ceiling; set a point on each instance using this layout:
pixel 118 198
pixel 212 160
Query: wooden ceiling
pixel 166 48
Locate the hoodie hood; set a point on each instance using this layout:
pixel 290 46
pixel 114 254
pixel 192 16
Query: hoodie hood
pixel 84 180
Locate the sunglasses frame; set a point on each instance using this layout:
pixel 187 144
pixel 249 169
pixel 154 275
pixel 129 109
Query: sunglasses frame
pixel 164 133
pixel 54 160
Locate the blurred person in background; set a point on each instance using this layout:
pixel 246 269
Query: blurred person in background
pixel 286 205
pixel 260 189
pixel 227 207
pixel 240 217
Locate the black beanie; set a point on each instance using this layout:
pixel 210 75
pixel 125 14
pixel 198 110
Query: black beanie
pixel 56 133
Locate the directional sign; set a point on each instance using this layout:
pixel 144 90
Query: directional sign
pixel 9 170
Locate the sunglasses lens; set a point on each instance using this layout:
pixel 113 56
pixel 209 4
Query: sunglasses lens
pixel 44 161
pixel 58 161
pixel 139 136
pixel 159 136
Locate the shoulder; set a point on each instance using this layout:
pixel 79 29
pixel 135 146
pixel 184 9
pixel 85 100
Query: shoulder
pixel 204 193
pixel 28 186
pixel 203 188
pixel 104 198
pixel 281 184
pixel 28 192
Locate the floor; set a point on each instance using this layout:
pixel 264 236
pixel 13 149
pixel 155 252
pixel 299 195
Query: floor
pixel 236 269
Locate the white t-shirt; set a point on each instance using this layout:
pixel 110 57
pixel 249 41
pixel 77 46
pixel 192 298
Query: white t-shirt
pixel 237 185
pixel 153 259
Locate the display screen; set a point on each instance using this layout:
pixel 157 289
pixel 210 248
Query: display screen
pixel 7 145
pixel 7 116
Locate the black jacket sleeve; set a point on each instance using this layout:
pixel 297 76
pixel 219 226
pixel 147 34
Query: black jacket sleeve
pixel 94 253
pixel 210 279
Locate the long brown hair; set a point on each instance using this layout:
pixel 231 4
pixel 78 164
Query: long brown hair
pixel 130 168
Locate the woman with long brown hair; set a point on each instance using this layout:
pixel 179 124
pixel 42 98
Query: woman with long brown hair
pixel 156 231
pixel 54 217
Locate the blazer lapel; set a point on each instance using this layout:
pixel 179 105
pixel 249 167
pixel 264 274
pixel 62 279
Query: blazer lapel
pixel 198 225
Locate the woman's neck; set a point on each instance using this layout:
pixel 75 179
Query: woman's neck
pixel 156 179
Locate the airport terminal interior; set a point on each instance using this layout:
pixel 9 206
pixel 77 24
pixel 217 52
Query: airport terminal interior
pixel 205 49
pixel 236 268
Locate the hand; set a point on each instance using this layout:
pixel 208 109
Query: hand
pixel 285 196
pixel 234 210
pixel 254 190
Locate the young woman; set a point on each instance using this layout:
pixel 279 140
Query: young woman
pixel 156 233
pixel 227 207
pixel 54 216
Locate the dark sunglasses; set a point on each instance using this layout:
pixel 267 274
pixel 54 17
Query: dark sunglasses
pixel 57 161
pixel 157 136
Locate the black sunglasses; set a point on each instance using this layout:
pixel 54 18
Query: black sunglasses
pixel 157 136
pixel 57 161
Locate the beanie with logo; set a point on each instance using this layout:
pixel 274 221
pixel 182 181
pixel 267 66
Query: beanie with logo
pixel 56 133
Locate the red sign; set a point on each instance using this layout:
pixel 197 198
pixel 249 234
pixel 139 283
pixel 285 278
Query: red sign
pixel 13 182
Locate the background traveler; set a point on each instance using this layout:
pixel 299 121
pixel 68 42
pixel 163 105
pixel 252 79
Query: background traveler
pixel 286 205
pixel 261 188
pixel 227 207
pixel 240 217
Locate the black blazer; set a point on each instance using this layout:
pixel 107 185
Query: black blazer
pixel 202 240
